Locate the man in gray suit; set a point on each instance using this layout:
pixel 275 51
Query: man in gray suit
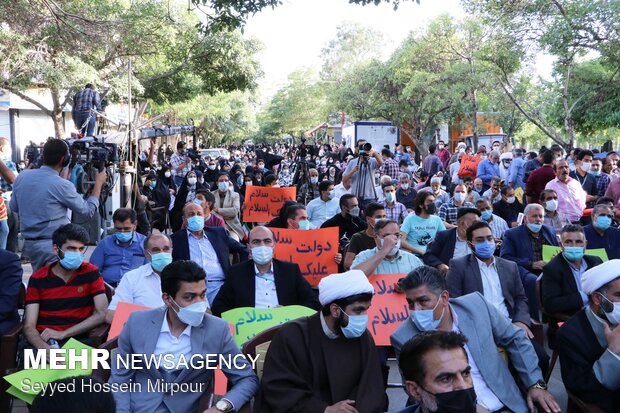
pixel 496 279
pixel 183 330
pixel 486 329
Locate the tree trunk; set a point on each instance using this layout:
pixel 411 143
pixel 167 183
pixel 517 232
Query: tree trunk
pixel 59 128
pixel 568 117
pixel 474 119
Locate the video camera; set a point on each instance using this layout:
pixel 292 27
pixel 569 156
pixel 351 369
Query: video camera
pixel 364 148
pixel 193 154
pixel 89 150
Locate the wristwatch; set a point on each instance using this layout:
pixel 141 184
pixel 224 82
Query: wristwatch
pixel 540 384
pixel 223 406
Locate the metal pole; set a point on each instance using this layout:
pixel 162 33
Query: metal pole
pixel 129 131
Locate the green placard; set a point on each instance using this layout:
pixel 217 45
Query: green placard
pixel 247 322
pixel 26 384
pixel 549 252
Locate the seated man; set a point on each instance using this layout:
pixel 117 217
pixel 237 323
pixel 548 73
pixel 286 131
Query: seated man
pixel 561 278
pixel 66 298
pixel 448 212
pixel 386 257
pixel 509 207
pixel 297 217
pixel 437 374
pixel 210 247
pixel 394 210
pixel 207 200
pixel 10 283
pixel 180 328
pixel 451 243
pixel 142 286
pixel 121 252
pixel 348 220
pixel 600 233
pixel 326 362
pixel 589 343
pixel 497 224
pixel 523 245
pixel 496 279
pixel 486 329
pixel 364 240
pixel 263 282
pixel 553 218
pixel 405 193
pixel 325 206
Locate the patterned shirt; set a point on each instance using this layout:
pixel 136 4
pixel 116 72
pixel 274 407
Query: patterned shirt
pixel 498 226
pixel 390 167
pixel 602 183
pixel 176 160
pixel 397 212
pixel 7 187
pixel 85 100
pixel 448 212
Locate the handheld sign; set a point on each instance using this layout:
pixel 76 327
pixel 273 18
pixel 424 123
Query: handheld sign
pixel 247 322
pixel 313 250
pixel 121 315
pixel 263 203
pixel 469 166
pixel 388 310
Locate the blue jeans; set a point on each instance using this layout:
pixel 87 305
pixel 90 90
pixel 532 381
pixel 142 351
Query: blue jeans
pixel 4 233
pixel 81 118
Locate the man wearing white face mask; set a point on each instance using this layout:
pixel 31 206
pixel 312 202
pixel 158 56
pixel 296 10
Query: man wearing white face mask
pixel 329 350
pixel 589 342
pixel 386 257
pixel 183 330
pixel 553 218
pixel 486 328
pixel 587 181
pixel 448 211
pixel 264 282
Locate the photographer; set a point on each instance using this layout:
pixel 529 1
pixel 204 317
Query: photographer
pixel 41 198
pixel 181 163
pixel 361 171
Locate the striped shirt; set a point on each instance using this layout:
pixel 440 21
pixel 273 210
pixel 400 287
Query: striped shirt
pixel 63 305
pixel 602 183
pixel 175 162
pixel 449 212
pixel 397 212
pixel 498 226
pixel 390 167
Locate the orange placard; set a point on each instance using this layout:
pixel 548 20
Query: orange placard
pixel 313 250
pixel 469 166
pixel 262 204
pixel 388 310
pixel 121 315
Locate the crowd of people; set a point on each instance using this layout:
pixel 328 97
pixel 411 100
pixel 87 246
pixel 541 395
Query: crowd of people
pixel 471 246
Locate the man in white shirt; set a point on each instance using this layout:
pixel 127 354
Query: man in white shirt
pixel 142 286
pixel 325 206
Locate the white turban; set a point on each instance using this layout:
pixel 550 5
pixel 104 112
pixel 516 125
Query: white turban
pixel 598 276
pixel 337 286
pixel 505 155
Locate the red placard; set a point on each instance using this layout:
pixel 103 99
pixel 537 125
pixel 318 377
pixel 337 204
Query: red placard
pixel 388 310
pixel 262 204
pixel 469 166
pixel 313 250
pixel 121 315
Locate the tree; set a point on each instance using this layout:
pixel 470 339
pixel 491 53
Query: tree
pixel 296 107
pixel 61 45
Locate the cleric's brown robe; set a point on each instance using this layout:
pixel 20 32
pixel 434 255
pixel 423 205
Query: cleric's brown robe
pixel 305 371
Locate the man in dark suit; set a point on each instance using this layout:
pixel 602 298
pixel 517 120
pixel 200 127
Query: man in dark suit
pixel 451 243
pixel 10 283
pixel 210 247
pixel 561 280
pixel 263 282
pixel 523 245
pixel 589 342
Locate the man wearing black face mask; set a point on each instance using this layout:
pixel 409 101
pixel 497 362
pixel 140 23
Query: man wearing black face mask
pixel 426 361
pixel 347 220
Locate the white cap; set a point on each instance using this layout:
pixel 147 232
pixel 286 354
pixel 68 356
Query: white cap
pixel 505 155
pixel 343 285
pixel 598 276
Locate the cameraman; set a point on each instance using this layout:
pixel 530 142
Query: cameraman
pixel 366 164
pixel 181 163
pixel 41 198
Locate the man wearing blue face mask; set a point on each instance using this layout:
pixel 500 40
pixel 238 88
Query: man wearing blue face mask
pixel 122 251
pixel 66 298
pixel 142 286
pixel 448 211
pixel 486 328
pixel 326 362
pixel 181 330
pixel 600 233
pixel 394 210
pixel 209 247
